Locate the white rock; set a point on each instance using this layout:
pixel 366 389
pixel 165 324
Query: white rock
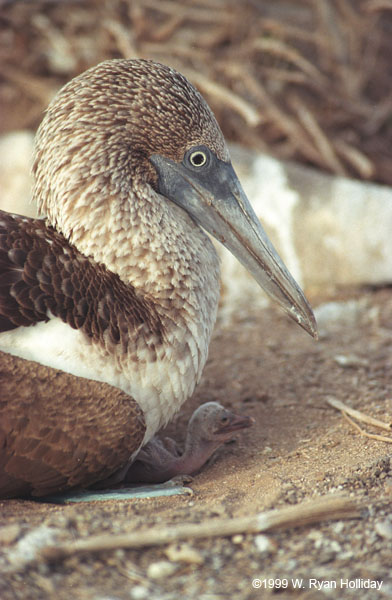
pixel 139 592
pixel 26 550
pixel 183 553
pixel 338 527
pixel 264 544
pixel 350 360
pixel 329 230
pixel 238 538
pixel 161 569
pixel 335 546
pixel 384 528
pixel 316 535
pixel 335 314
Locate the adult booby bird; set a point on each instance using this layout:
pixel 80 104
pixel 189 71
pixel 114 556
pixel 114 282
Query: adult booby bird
pixel 120 282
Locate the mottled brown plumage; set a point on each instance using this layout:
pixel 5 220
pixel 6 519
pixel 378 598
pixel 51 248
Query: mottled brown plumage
pixel 41 272
pixel 61 431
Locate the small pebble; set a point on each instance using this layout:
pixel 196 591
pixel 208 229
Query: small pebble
pixel 326 556
pixel 350 360
pixel 335 546
pixel 291 564
pixel 338 527
pixel 161 569
pixel 264 544
pixel 315 535
pixel 9 534
pixel 388 485
pixel 237 539
pixel 184 553
pixel 346 555
pixel 384 529
pixel 139 592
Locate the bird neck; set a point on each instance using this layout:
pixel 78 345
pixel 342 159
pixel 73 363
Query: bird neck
pixel 151 244
pixel 196 453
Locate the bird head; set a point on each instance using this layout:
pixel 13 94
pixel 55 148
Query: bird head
pixel 132 123
pixel 213 424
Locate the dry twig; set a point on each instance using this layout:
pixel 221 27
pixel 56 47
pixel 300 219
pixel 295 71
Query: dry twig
pixel 226 97
pixel 373 436
pixel 321 141
pixel 360 416
pixel 306 513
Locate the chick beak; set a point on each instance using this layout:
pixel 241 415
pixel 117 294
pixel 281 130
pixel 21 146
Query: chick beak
pixel 232 423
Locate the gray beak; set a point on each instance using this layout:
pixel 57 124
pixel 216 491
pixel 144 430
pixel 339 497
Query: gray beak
pixel 214 198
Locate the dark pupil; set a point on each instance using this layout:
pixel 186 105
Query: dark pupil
pixel 198 159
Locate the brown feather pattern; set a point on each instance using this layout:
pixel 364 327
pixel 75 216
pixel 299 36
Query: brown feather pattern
pixel 48 441
pixel 41 272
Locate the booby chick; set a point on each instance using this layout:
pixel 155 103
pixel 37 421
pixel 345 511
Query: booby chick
pixel 210 426
pixel 120 282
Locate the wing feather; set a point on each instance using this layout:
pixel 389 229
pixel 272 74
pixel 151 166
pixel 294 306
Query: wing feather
pixel 42 274
pixel 58 431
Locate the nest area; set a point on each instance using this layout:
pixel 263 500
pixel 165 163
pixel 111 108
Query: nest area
pixel 308 80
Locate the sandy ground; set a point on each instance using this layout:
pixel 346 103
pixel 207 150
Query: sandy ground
pixel 264 366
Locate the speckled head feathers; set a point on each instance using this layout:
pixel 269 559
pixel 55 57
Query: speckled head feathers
pixel 105 123
pixel 213 423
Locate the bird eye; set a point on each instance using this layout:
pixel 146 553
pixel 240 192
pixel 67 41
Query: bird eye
pixel 198 158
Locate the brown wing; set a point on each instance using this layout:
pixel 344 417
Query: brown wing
pixel 58 431
pixel 41 272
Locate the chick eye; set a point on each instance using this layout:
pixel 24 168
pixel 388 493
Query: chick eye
pixel 198 158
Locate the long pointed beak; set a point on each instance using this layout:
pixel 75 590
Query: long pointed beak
pixel 216 201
